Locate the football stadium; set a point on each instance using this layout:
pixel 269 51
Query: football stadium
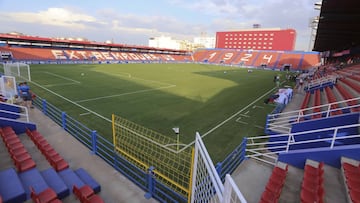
pixel 251 120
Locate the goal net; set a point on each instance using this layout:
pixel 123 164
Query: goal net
pixel 21 71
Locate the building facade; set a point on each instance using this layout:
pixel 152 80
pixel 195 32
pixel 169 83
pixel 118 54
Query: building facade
pixel 257 39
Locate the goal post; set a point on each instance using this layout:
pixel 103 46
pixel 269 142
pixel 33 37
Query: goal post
pixel 21 71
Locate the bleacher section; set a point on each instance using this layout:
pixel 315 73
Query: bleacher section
pixel 47 54
pixel 254 58
pixel 350 169
pixel 268 59
pixel 49 185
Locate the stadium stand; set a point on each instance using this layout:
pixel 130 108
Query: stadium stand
pixel 53 157
pixel 310 159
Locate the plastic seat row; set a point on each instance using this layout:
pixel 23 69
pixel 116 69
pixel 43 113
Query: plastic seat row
pixel 51 155
pixel 347 96
pixel 86 194
pixel 46 196
pixel 351 171
pixel 312 189
pixel 20 156
pixel 275 184
pixel 353 85
pixel 332 99
pixel 317 102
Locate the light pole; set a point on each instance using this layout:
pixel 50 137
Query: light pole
pixel 177 132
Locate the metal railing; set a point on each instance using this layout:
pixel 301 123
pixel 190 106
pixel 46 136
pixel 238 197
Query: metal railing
pixel 22 114
pixel 282 121
pixel 103 148
pixel 262 149
pixel 321 81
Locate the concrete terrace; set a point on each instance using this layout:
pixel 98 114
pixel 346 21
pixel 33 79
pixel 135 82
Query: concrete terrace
pixel 115 188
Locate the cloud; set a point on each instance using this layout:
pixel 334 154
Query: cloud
pixel 54 16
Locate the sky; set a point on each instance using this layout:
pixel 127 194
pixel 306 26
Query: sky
pixel 134 22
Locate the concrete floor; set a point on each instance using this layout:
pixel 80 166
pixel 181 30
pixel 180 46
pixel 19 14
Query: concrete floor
pixel 116 188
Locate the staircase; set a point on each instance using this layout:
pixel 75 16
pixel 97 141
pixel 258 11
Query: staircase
pixel 252 177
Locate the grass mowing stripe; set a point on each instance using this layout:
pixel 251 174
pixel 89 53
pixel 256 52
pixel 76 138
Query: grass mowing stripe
pixel 123 94
pixel 70 101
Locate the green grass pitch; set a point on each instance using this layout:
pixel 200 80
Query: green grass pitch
pixel 223 103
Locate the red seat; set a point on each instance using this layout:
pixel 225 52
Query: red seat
pixel 94 199
pixel 268 197
pixel 355 196
pixel 354 184
pixel 17 151
pixel 314 171
pixel 309 196
pixel 14 145
pixel 46 196
pixel 274 188
pixel 24 165
pixel 21 157
pixel 83 192
pixel 55 201
pixel 12 141
pixel 60 165
pixel 350 167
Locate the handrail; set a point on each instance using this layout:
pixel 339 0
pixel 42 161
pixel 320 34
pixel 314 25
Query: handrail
pixel 255 151
pixel 23 114
pixel 321 81
pixel 284 119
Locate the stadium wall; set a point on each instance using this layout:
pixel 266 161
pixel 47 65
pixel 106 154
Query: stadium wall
pixel 331 157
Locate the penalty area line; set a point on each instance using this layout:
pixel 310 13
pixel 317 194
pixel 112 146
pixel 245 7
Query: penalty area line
pixel 84 114
pixel 127 93
pixel 237 113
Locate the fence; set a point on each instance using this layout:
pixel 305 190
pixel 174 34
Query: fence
pixel 281 122
pixel 258 148
pixel 206 183
pixel 106 150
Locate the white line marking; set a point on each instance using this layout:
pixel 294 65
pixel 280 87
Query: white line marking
pixel 257 126
pixel 127 93
pixel 83 114
pixel 70 101
pixel 247 112
pixel 261 107
pixel 59 76
pixel 235 114
pixel 242 122
pixel 245 115
pixel 60 84
pixel 141 79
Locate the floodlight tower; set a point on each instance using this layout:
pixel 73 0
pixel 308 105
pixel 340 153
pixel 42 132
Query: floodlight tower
pixel 313 24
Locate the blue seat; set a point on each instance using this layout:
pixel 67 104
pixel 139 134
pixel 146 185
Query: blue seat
pixel 11 189
pixel 34 179
pixel 70 178
pixel 56 183
pixel 88 180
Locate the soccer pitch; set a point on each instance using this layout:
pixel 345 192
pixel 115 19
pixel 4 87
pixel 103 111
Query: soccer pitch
pixel 224 104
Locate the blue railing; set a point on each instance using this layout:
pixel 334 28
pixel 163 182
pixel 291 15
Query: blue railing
pixel 232 161
pixel 105 149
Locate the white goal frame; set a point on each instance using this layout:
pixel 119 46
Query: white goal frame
pixel 21 71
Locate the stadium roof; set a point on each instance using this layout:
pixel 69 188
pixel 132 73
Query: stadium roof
pixel 339 25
